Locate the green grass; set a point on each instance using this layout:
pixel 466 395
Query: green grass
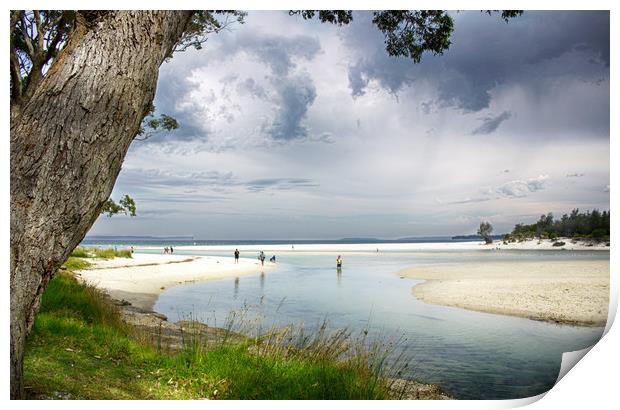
pixel 81 348
pixel 74 263
pixel 80 253
pixel 78 259
pixel 101 253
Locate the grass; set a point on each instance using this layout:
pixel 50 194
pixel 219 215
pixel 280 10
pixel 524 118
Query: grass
pixel 81 349
pixel 78 259
pixel 100 253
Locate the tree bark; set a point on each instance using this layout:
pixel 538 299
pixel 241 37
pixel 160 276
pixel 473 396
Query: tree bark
pixel 68 143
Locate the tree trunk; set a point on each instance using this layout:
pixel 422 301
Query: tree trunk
pixel 68 143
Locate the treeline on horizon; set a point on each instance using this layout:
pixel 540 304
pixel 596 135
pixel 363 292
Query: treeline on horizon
pixel 577 225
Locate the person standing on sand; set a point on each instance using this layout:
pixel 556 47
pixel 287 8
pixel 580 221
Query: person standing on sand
pixel 338 262
pixel 236 255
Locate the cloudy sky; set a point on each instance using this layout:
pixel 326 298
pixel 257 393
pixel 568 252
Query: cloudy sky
pixel 296 129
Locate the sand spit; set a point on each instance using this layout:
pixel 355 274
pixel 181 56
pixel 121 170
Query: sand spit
pixel 143 278
pixel 570 292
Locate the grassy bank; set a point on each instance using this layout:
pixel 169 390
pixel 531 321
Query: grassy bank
pixel 81 349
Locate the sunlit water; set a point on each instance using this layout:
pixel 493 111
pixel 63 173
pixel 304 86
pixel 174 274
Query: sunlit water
pixel 471 355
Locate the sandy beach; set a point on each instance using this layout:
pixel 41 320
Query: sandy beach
pixel 141 279
pixel 567 292
pixel 572 292
pixel 404 247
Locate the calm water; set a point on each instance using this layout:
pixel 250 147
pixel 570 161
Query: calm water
pixel 471 355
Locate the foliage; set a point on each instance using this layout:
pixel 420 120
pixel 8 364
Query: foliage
pixel 485 231
pixel 153 125
pixel 591 224
pixel 205 22
pixel 408 33
pixel 126 205
pixel 81 349
pixel 338 17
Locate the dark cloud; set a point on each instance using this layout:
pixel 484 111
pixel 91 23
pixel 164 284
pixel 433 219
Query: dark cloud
pixel 181 198
pixel 295 95
pixel 490 123
pixel 173 186
pixel 469 201
pixel 484 54
pixel 259 185
pixel 157 178
pixel 277 52
pixel 171 90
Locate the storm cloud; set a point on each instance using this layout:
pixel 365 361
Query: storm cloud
pixel 313 130
pixel 480 57
pixel 295 94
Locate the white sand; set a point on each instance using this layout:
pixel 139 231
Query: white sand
pixel 575 292
pixel 141 279
pixel 372 247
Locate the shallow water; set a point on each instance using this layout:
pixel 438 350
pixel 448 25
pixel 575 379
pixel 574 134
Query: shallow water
pixel 471 355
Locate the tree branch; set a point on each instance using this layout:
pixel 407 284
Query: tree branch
pixel 16 78
pixel 26 36
pixel 59 24
pixel 40 33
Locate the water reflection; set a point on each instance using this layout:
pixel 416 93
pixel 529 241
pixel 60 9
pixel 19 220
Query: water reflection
pixel 236 291
pixel 339 276
pixel 262 281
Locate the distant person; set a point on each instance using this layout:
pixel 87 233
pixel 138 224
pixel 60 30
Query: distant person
pixel 293 247
pixel 165 250
pixel 171 250
pixel 236 255
pixel 339 262
pixel 273 259
pixel 131 250
pixel 261 257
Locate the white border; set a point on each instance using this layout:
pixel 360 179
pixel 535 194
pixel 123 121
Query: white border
pixel 592 384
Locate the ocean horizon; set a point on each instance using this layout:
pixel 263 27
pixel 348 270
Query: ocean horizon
pixel 101 240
